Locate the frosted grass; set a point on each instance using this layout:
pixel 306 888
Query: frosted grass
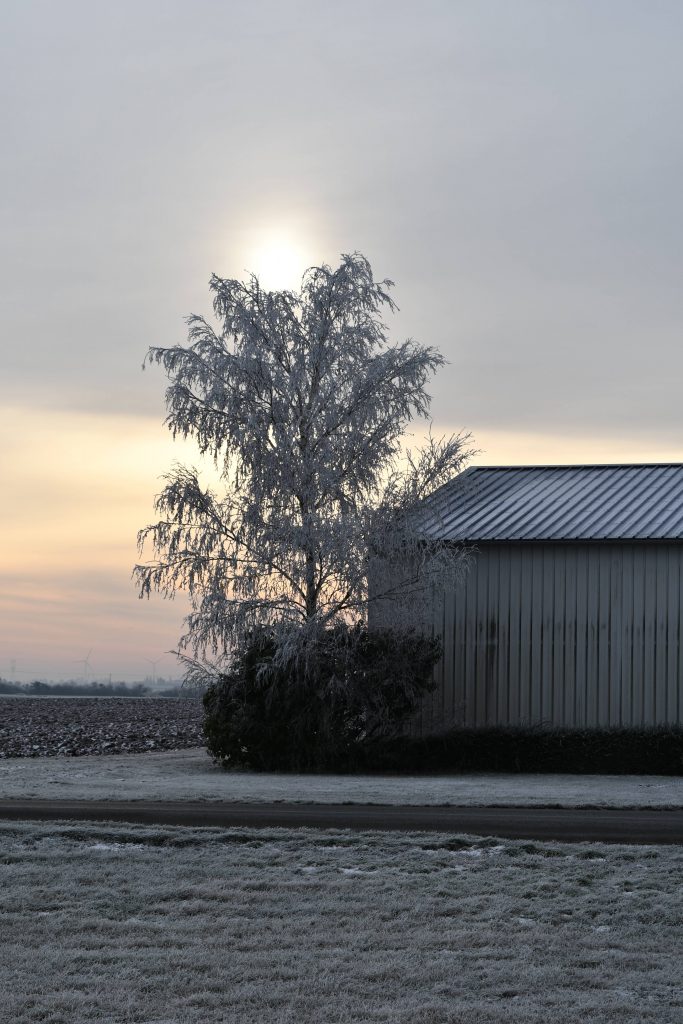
pixel 191 775
pixel 130 924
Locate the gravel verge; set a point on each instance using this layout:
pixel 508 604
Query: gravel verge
pixel 74 726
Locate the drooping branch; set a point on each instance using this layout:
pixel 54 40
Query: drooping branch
pixel 302 402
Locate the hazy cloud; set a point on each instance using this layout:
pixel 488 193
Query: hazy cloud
pixel 514 167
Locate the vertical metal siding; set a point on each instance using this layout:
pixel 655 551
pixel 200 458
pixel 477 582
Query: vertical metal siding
pixel 661 636
pixel 557 639
pixel 564 635
pixel 581 638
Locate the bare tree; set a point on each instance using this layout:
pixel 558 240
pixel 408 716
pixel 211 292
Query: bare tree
pixel 301 402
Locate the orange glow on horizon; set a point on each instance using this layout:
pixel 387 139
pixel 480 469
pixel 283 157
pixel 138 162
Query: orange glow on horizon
pixel 81 486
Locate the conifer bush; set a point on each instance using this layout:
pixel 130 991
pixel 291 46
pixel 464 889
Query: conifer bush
pixel 316 711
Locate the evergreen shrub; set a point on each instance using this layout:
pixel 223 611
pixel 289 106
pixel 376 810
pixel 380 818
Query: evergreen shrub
pixel 352 688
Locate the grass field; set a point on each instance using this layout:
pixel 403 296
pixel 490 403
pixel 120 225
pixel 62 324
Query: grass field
pixel 134 925
pixel 190 775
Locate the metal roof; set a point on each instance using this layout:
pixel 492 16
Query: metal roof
pixel 555 503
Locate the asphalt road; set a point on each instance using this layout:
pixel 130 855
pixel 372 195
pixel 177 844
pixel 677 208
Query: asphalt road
pixel 613 825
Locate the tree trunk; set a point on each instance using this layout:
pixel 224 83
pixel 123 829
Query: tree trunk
pixel 311 593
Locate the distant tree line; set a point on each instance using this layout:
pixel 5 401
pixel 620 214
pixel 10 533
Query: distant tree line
pixel 70 689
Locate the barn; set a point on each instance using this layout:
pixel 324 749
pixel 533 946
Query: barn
pixel 571 614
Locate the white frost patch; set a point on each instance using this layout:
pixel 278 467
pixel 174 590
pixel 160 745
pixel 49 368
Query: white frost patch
pixel 357 871
pixel 117 846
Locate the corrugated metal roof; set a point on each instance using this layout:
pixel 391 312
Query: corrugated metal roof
pixel 523 503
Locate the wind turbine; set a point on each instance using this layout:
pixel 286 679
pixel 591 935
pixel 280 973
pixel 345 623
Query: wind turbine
pixel 154 664
pixel 16 672
pixel 85 662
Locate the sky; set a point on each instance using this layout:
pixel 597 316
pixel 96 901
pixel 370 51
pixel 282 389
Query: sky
pixel 515 168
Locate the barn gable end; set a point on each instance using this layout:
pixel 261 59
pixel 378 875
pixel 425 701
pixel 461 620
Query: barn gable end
pixel 572 613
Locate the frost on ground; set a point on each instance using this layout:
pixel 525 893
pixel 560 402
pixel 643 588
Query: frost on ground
pixel 191 775
pixel 127 924
pixel 73 726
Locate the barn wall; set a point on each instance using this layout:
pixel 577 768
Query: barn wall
pixel 562 634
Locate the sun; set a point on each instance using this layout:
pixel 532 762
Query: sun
pixel 278 262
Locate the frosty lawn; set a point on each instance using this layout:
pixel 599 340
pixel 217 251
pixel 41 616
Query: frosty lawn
pixel 127 924
pixel 190 775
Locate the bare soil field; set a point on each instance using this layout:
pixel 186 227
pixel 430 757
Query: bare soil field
pixel 73 726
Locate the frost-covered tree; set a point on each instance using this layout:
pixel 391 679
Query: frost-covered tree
pixel 301 402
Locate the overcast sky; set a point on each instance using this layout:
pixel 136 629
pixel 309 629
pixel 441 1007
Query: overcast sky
pixel 514 166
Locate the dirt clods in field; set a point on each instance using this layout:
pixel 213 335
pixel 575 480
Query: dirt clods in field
pixel 73 726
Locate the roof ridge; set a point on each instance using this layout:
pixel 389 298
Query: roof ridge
pixel 580 465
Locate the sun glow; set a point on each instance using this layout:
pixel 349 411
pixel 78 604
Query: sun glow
pixel 278 262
